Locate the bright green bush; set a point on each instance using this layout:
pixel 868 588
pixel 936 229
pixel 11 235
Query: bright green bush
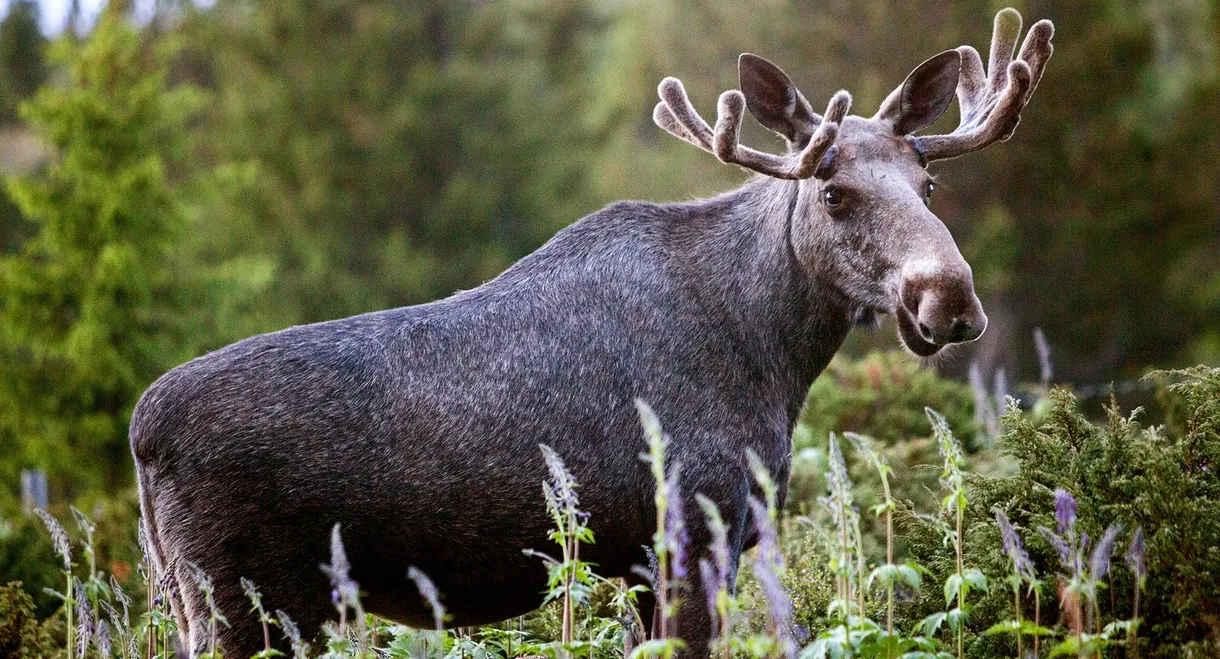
pixel 22 636
pixel 1161 478
pixel 883 396
pixel 26 556
pixel 102 298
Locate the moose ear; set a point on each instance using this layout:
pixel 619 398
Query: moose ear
pixel 925 95
pixel 774 101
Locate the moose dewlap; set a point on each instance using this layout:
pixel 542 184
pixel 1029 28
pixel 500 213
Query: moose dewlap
pixel 417 429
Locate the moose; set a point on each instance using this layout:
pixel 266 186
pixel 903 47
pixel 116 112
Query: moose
pixel 417 429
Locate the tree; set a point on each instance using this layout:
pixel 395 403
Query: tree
pixel 103 297
pixel 397 154
pixel 22 65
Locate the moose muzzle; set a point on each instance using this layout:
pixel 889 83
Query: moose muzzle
pixel 938 307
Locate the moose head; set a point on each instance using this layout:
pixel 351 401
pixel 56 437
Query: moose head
pixel 862 224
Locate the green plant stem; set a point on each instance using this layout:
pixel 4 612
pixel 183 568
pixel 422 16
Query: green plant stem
pixel 1132 634
pixel 961 582
pixel 662 585
pixel 1016 605
pixel 889 558
pixel 859 573
pixel 70 604
pixel 1037 619
pixel 568 557
pixel 845 560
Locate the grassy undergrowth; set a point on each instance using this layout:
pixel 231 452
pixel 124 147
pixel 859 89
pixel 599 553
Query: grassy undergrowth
pixel 1097 539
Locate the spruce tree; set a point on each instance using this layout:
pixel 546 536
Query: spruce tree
pixel 101 298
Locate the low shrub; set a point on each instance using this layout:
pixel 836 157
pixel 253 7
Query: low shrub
pixel 22 636
pixel 1163 479
pixel 883 396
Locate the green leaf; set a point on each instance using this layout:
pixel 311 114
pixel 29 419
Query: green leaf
pixel 930 626
pixel 657 649
pixel 951 587
pixel 884 573
pixel 909 574
pixel 976 579
pixel 957 618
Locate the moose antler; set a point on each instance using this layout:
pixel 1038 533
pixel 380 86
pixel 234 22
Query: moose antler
pixel 678 117
pixel 991 101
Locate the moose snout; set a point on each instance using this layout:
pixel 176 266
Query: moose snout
pixel 945 308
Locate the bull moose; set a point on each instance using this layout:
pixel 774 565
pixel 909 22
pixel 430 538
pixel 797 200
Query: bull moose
pixel 417 429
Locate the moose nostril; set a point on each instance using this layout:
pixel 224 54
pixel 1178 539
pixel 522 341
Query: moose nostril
pixel 925 331
pixel 959 329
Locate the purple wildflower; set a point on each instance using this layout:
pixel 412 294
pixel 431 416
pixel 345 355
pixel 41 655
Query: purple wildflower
pixel 1060 545
pixel 427 590
pixel 676 536
pixel 300 649
pixel 120 595
pixel 714 574
pixel 346 592
pixel 767 567
pixel 1135 557
pixel 87 527
pixel 102 638
pixel 1012 546
pixel 1065 512
pixel 984 411
pixel 837 478
pixel 59 537
pixel 562 488
pixel 711 587
pixel 84 618
pixel 251 591
pixel 1099 562
pixel 111 613
pixel 164 586
pixel 1001 389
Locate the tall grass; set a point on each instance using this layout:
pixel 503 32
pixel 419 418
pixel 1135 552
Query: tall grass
pixel 590 616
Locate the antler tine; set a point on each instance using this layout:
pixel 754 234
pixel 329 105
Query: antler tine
pixel 793 166
pixel 673 95
pixel 991 100
pixel 729 112
pixel 1037 49
pixel 678 117
pixel 662 117
pixel 1004 34
pixel 827 133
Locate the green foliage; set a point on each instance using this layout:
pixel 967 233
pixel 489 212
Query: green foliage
pixel 25 555
pixel 100 300
pixel 22 636
pixel 22 63
pixel 883 396
pixel 445 141
pixel 1160 478
pixel 1120 472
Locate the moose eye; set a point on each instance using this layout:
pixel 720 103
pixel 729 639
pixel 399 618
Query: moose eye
pixel 927 193
pixel 832 196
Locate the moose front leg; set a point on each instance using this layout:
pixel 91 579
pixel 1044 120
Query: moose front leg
pixel 716 526
pixel 694 621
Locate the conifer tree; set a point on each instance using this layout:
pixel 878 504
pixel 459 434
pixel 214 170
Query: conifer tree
pixel 99 300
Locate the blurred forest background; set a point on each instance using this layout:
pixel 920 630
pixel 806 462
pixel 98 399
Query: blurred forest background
pixel 181 176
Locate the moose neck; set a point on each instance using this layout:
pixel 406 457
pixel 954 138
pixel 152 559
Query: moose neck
pixel 737 258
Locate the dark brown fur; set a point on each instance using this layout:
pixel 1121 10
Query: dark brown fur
pixel 417 429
